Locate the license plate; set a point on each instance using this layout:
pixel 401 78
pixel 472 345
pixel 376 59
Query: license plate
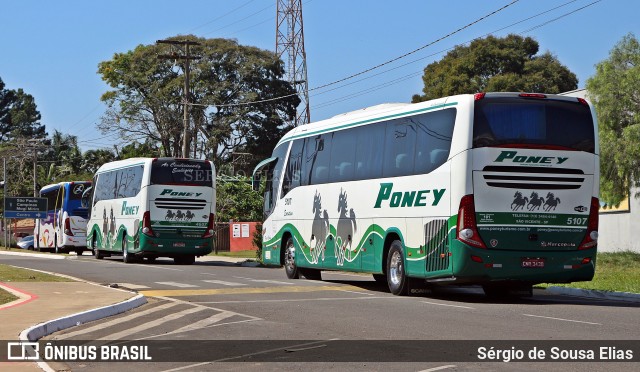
pixel 533 262
pixel 178 244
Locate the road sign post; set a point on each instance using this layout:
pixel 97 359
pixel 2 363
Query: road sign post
pixel 25 207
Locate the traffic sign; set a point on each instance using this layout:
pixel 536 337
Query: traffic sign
pixel 25 207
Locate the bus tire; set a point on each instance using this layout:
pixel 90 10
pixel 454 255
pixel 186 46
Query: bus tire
pixel 79 252
pixel 396 275
pixel 290 267
pixel 311 274
pixel 96 252
pixel 126 257
pixel 151 259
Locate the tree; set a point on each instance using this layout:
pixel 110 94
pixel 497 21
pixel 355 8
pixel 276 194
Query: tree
pixel 93 159
pixel 492 64
pixel 19 116
pixel 615 92
pixel 138 150
pixel 146 100
pixel 236 200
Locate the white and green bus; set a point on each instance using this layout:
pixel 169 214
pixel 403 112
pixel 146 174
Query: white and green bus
pixel 152 207
pixel 495 189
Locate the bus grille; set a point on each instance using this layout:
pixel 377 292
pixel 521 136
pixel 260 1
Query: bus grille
pixel 538 178
pixel 435 233
pixel 168 203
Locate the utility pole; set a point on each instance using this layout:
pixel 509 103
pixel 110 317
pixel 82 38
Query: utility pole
pixel 290 41
pixel 36 145
pixel 186 57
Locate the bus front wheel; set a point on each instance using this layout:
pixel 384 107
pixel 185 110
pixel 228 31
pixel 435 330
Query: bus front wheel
pixel 290 260
pixel 396 275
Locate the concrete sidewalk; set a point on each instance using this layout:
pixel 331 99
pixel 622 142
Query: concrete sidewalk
pixel 47 307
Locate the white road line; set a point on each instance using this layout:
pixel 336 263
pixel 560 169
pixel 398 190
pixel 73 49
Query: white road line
pixel 222 282
pixel 438 368
pixel 360 293
pixel 119 320
pixel 176 284
pixel 211 326
pixel 151 324
pixel 439 304
pixel 566 320
pixel 291 300
pixel 204 322
pixel 107 262
pixel 248 355
pixel 132 286
pixel 208 274
pixel 271 281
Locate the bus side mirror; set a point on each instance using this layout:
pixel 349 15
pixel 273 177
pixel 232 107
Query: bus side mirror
pixel 255 181
pixel 86 195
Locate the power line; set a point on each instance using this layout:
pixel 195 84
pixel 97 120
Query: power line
pixel 367 70
pixel 222 16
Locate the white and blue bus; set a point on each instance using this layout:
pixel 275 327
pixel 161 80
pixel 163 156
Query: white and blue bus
pixel 64 228
pixel 495 189
pixel 152 207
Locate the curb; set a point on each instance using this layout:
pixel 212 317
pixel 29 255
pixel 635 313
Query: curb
pixel 44 329
pixel 37 255
pixel 592 293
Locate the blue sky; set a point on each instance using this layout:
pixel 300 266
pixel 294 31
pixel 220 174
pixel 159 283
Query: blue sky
pixel 51 49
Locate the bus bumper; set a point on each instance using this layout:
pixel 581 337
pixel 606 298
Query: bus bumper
pixel 490 265
pixel 168 247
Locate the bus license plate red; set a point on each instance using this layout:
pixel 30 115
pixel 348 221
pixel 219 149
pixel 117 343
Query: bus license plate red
pixel 533 262
pixel 180 244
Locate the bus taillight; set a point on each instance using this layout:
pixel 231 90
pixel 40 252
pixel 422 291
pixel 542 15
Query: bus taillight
pixel 467 230
pixel 209 231
pixel 67 227
pixel 591 237
pixel 146 224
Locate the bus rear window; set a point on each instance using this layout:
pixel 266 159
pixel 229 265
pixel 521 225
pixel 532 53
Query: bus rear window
pixel 509 121
pixel 181 172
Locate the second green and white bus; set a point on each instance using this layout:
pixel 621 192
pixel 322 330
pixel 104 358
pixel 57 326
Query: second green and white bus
pixel 495 189
pixel 152 207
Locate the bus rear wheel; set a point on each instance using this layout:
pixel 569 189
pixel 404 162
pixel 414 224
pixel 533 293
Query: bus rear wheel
pixel 96 252
pixel 126 257
pixel 396 276
pixel 290 267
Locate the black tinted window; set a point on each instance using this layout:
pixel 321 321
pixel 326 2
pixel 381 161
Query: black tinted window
pixel 292 175
pixel 539 122
pixel 343 156
pixel 369 150
pixel 181 172
pixel 317 157
pixel 435 130
pixel 400 143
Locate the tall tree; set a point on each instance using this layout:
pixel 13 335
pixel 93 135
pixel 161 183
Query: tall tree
pixel 494 64
pixel 615 91
pixel 7 97
pixel 93 159
pixel 146 100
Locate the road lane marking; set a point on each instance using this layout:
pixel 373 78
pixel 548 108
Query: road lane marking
pixel 116 321
pixel 227 291
pixel 294 300
pixel 248 355
pixel 151 324
pixel 179 285
pixel 440 304
pixel 222 282
pixel 132 286
pixel 204 322
pixel 565 320
pixel 211 326
pixel 438 368
pixel 265 280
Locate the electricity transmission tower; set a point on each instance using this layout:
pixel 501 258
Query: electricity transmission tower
pixel 290 41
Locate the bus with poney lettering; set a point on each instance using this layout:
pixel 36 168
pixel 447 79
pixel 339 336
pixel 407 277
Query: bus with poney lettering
pixel 145 208
pixel 491 189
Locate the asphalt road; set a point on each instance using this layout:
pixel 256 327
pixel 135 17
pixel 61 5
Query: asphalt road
pixel 328 322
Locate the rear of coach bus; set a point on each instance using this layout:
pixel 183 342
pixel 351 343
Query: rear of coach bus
pixel 532 216
pixel 179 222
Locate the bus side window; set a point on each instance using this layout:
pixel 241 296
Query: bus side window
pixel 317 156
pixel 369 151
pixel 292 176
pixel 400 142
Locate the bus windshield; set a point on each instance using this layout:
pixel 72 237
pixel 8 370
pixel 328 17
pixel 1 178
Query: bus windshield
pixel 543 123
pixel 181 172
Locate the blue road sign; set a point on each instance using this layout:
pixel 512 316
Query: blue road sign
pixel 25 207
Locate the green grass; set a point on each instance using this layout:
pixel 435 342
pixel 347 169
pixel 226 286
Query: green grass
pixel 6 297
pixel 13 274
pixel 619 272
pixel 240 254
